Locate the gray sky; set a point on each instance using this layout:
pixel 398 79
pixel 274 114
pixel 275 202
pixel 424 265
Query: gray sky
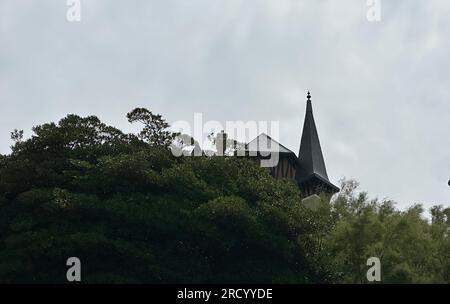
pixel 381 90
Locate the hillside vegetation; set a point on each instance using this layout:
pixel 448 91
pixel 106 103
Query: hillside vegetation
pixel 134 213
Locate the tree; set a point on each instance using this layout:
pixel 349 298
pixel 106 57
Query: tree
pixel 155 127
pixel 132 212
pixel 17 135
pixel 411 250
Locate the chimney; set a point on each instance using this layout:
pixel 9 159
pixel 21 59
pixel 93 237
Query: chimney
pixel 221 143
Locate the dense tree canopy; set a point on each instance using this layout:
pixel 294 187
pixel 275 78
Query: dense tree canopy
pixel 411 249
pixel 132 212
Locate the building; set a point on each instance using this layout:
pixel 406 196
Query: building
pixel 307 169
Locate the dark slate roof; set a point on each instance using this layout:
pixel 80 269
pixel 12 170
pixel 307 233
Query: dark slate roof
pixel 265 143
pixel 310 157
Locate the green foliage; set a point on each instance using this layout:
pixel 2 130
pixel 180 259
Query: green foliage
pixel 155 127
pixel 133 213
pixel 411 249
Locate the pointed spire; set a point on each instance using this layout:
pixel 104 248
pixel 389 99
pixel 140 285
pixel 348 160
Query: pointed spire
pixel 308 103
pixel 310 158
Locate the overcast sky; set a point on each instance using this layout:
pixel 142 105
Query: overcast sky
pixel 380 90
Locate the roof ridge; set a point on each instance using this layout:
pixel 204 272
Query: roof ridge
pixel 270 138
